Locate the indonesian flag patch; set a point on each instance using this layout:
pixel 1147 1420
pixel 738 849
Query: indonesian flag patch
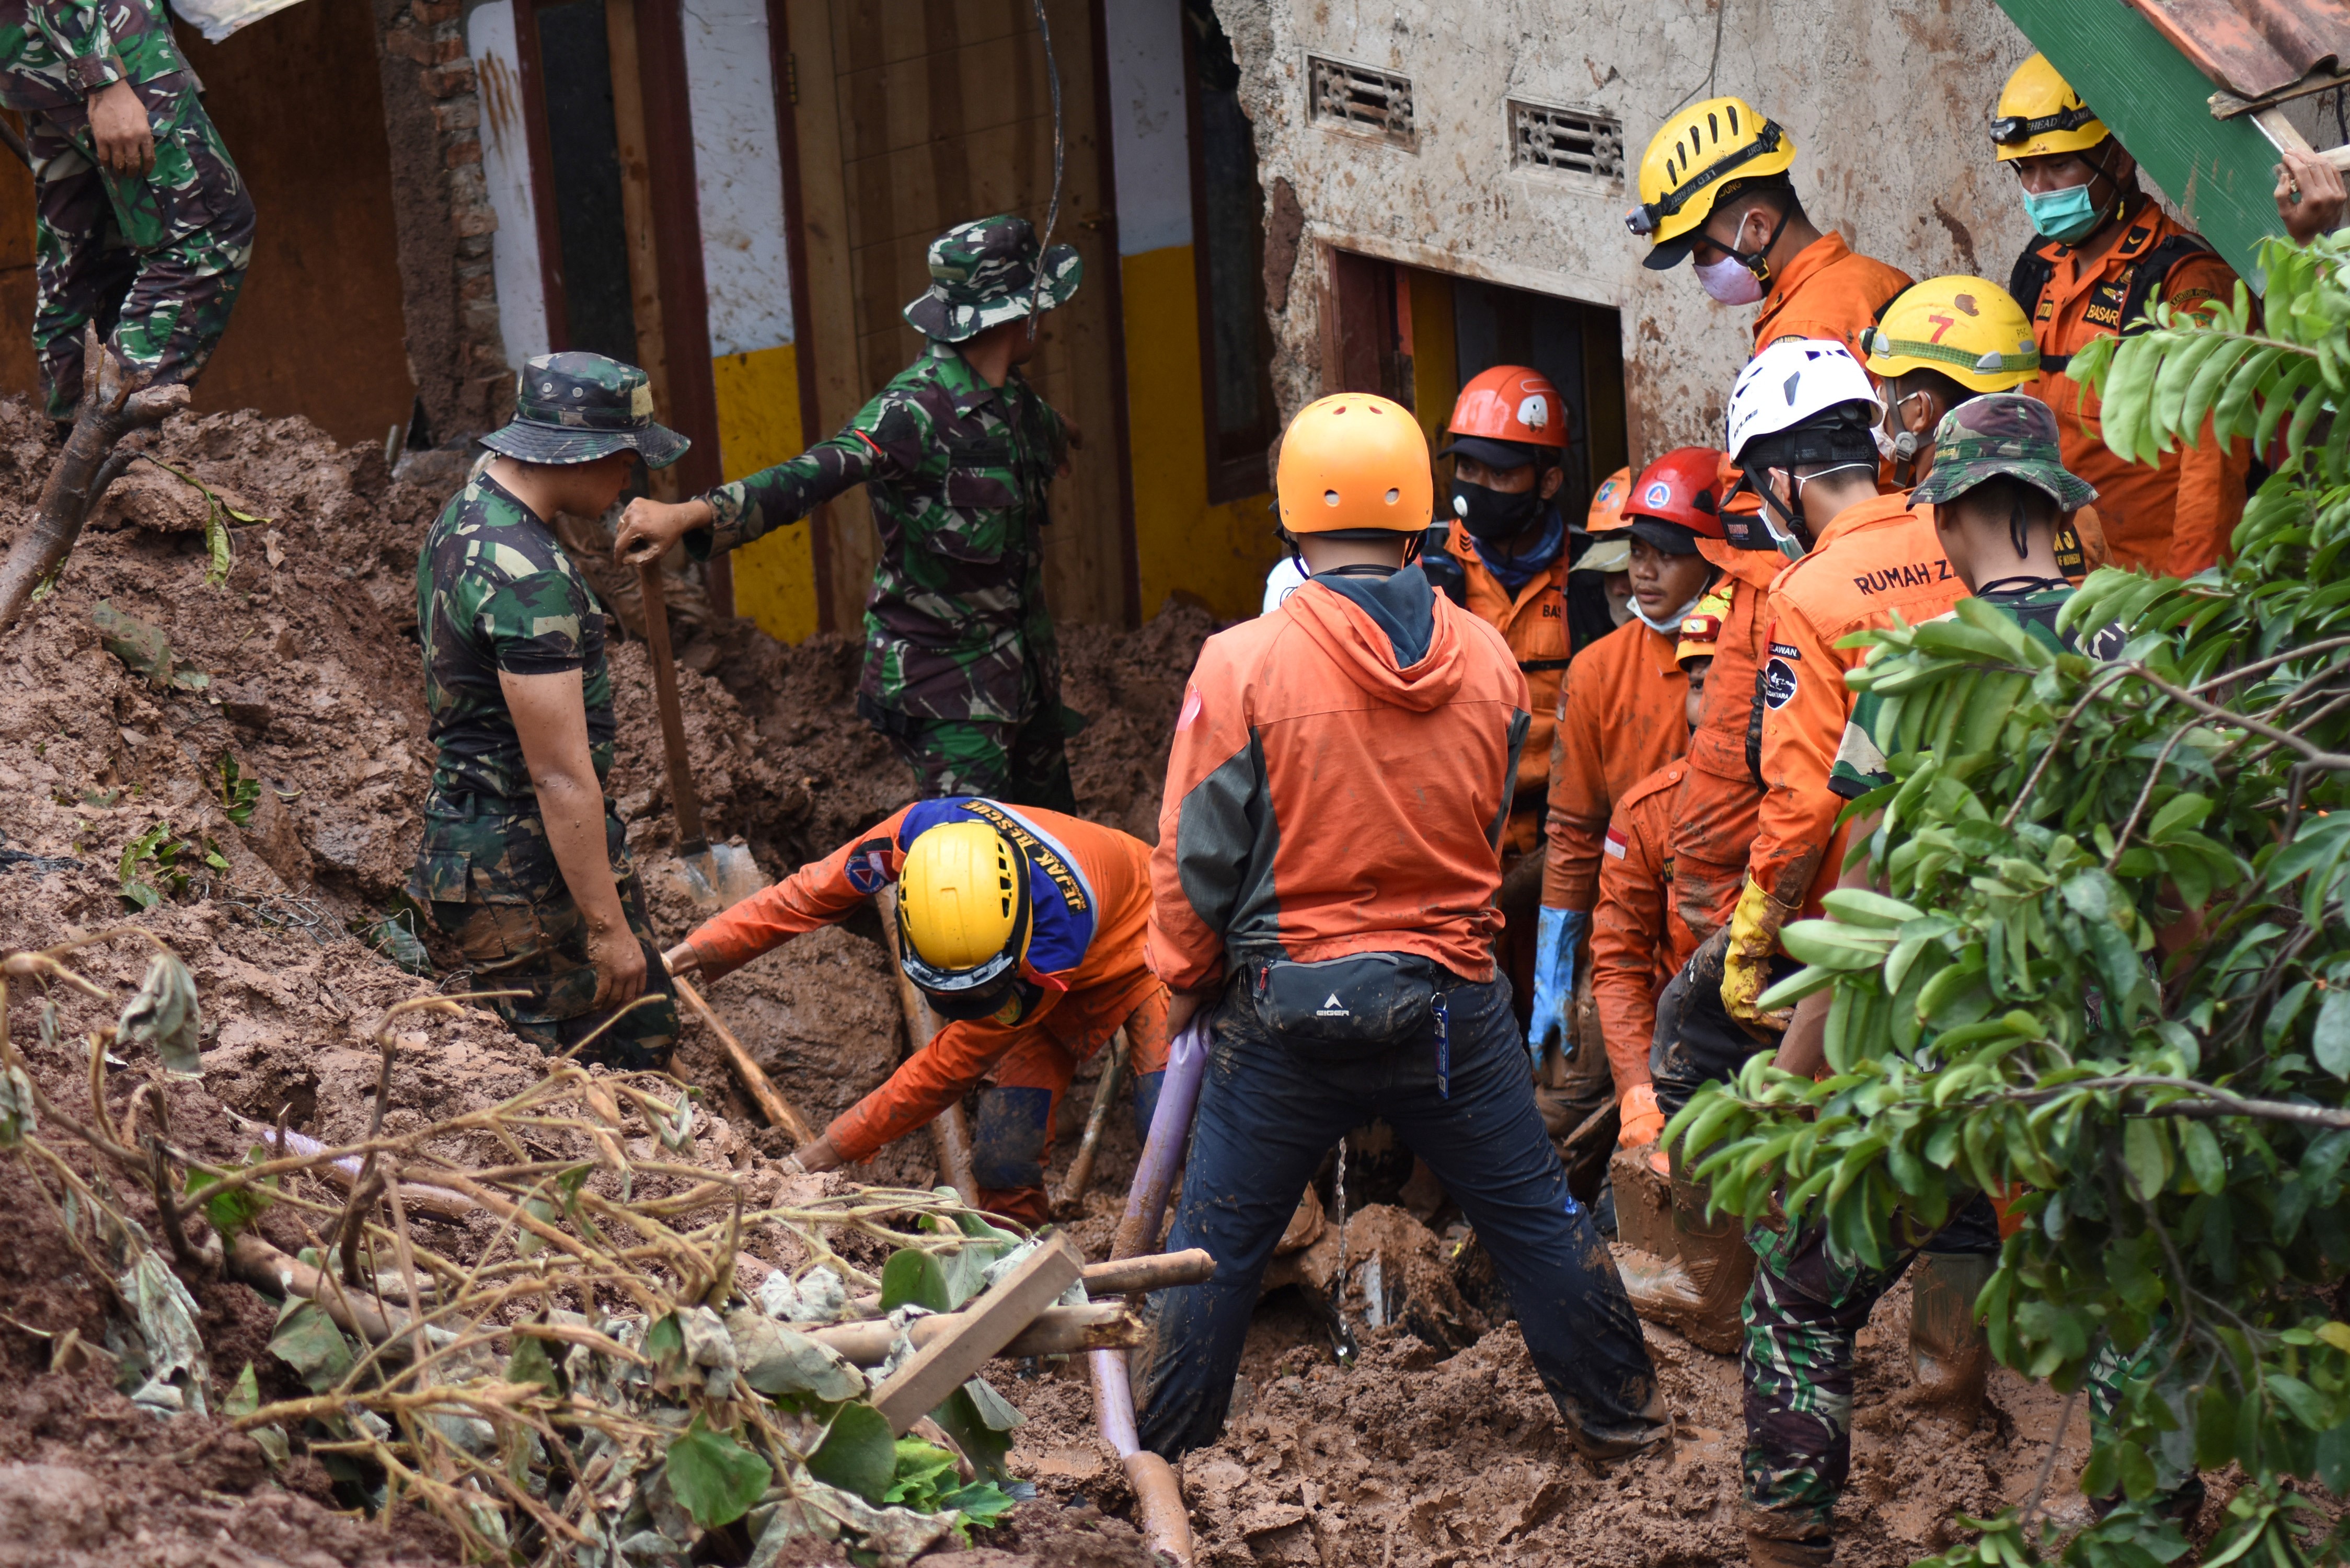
pixel 1617 844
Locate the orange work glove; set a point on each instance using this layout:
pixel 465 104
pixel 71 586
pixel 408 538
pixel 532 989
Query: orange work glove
pixel 1644 1120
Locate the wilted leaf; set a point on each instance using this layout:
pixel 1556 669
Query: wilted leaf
pixel 308 1341
pixel 777 1360
pixel 165 1017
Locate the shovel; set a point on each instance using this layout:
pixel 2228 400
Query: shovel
pixel 717 877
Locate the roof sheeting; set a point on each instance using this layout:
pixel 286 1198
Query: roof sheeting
pixel 2252 47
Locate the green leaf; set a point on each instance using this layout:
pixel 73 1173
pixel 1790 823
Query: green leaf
pixel 716 1479
pixel 2330 1041
pixel 531 1364
pixel 971 1419
pixel 2200 1146
pixel 308 1341
pixel 982 1502
pixel 2146 1154
pixel 860 1454
pixel 914 1276
pixel 235 1208
pixel 243 1395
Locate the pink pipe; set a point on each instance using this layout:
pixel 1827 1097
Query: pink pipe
pixel 1158 1498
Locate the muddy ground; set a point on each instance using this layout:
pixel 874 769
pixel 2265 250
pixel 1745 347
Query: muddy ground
pixel 1407 1459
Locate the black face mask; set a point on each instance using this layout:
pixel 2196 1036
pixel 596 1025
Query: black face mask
pixel 1492 514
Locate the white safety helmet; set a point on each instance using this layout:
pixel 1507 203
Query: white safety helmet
pixel 1802 402
pixel 1791 383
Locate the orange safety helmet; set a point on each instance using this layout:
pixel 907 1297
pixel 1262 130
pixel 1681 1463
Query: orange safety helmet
pixel 1509 403
pixel 1351 460
pixel 1681 490
pixel 1607 501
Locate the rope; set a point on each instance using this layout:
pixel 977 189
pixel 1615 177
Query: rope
pixel 1052 208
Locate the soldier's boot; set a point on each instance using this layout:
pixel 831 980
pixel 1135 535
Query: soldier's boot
pixel 1950 1355
pixel 1698 1288
pixel 1764 1550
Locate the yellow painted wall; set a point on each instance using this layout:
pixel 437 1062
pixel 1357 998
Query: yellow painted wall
pixel 759 426
pixel 1218 553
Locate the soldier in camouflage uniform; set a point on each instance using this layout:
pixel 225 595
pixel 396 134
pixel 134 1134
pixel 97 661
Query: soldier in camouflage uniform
pixel 510 865
pixel 961 670
pixel 141 224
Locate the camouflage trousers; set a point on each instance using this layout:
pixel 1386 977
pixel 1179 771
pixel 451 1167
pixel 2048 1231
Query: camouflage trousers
pixel 489 877
pixel 1025 763
pixel 1806 1307
pixel 154 260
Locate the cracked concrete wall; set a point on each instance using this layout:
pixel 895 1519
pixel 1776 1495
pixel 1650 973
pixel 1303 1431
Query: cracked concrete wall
pixel 1886 101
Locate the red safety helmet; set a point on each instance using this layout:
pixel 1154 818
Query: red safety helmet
pixel 1681 489
pixel 1507 403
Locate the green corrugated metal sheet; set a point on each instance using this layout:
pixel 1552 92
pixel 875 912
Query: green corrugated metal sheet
pixel 2218 172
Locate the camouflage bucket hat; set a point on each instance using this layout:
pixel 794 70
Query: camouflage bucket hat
pixel 576 408
pixel 983 274
pixel 2001 433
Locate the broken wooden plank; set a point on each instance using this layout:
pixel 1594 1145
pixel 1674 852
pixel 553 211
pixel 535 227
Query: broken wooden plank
pixel 1056 1331
pixel 989 1323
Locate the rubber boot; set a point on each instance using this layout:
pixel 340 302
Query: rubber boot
pixel 1949 1353
pixel 1697 1294
pixel 1769 1552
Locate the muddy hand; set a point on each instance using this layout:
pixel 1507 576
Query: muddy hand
pixel 619 967
pixel 649 527
pixel 119 127
pixel 2310 196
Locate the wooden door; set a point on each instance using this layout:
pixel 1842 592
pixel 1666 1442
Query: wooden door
pixel 913 116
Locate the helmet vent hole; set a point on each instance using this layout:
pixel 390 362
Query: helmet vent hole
pixel 1393 496
pixel 1329 498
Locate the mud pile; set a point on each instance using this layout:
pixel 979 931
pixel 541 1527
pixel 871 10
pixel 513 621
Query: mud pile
pixel 301 671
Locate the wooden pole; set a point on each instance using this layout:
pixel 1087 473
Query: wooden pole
pixel 1081 1168
pixel 779 1111
pixel 949 1132
pixel 682 797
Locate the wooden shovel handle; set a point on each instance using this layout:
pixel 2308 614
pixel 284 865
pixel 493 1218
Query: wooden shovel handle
pixel 690 837
pixel 778 1110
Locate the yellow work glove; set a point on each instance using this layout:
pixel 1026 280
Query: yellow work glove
pixel 1643 1118
pixel 1746 965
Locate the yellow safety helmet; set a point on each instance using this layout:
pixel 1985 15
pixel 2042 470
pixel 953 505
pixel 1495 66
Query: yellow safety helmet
pixel 1967 327
pixel 1701 628
pixel 1687 164
pixel 1353 460
pixel 2039 112
pixel 963 918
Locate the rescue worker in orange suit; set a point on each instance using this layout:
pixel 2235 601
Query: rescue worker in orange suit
pixel 1330 848
pixel 1605 561
pixel 1944 342
pixel 1714 188
pixel 2102 249
pixel 1022 928
pixel 1639 939
pixel 1800 425
pixel 1622 716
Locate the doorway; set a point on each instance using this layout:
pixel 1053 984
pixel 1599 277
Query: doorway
pixel 903 133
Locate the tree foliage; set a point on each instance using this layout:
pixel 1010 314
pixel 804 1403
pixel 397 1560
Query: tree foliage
pixel 2109 978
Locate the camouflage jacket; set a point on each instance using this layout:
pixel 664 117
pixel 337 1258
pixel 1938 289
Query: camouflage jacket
pixel 56 53
pixel 496 592
pixel 957 473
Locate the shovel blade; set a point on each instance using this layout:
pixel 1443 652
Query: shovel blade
pixel 715 878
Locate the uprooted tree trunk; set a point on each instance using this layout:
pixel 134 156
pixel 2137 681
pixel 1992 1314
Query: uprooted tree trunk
pixel 113 403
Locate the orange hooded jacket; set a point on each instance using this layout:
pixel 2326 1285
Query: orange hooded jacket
pixel 1322 800
pixel 1638 939
pixel 1875 560
pixel 2175 516
pixel 1714 820
pixel 1091 897
pixel 1534 622
pixel 1622 714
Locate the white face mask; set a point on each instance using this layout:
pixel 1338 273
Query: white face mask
pixel 1669 626
pixel 1730 281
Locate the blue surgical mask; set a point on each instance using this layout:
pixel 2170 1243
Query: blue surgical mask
pixel 2063 216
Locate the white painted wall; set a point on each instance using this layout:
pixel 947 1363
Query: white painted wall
pixel 1148 126
pixel 738 167
pixel 505 164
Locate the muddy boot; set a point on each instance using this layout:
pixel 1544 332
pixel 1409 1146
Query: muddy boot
pixel 1769 1552
pixel 1698 1293
pixel 1949 1354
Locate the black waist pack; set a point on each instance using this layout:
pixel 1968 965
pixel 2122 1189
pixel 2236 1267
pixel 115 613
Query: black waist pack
pixel 1349 1006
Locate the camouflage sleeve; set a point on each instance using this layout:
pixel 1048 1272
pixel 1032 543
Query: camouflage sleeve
pixel 1860 766
pixel 876 445
pixel 533 625
pixel 101 42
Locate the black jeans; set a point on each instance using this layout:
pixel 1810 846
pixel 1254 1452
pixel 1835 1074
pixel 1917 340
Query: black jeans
pixel 1267 1115
pixel 1697 1042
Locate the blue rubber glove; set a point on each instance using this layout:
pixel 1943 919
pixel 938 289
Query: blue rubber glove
pixel 1557 933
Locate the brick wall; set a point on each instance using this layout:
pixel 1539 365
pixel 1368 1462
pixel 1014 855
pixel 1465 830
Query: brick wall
pixel 433 113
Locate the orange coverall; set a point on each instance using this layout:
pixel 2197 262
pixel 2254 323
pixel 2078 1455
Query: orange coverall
pixel 1713 821
pixel 1638 939
pixel 2175 517
pixel 1089 887
pixel 1875 561
pixel 1622 714
pixel 1533 621
pixel 1827 291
